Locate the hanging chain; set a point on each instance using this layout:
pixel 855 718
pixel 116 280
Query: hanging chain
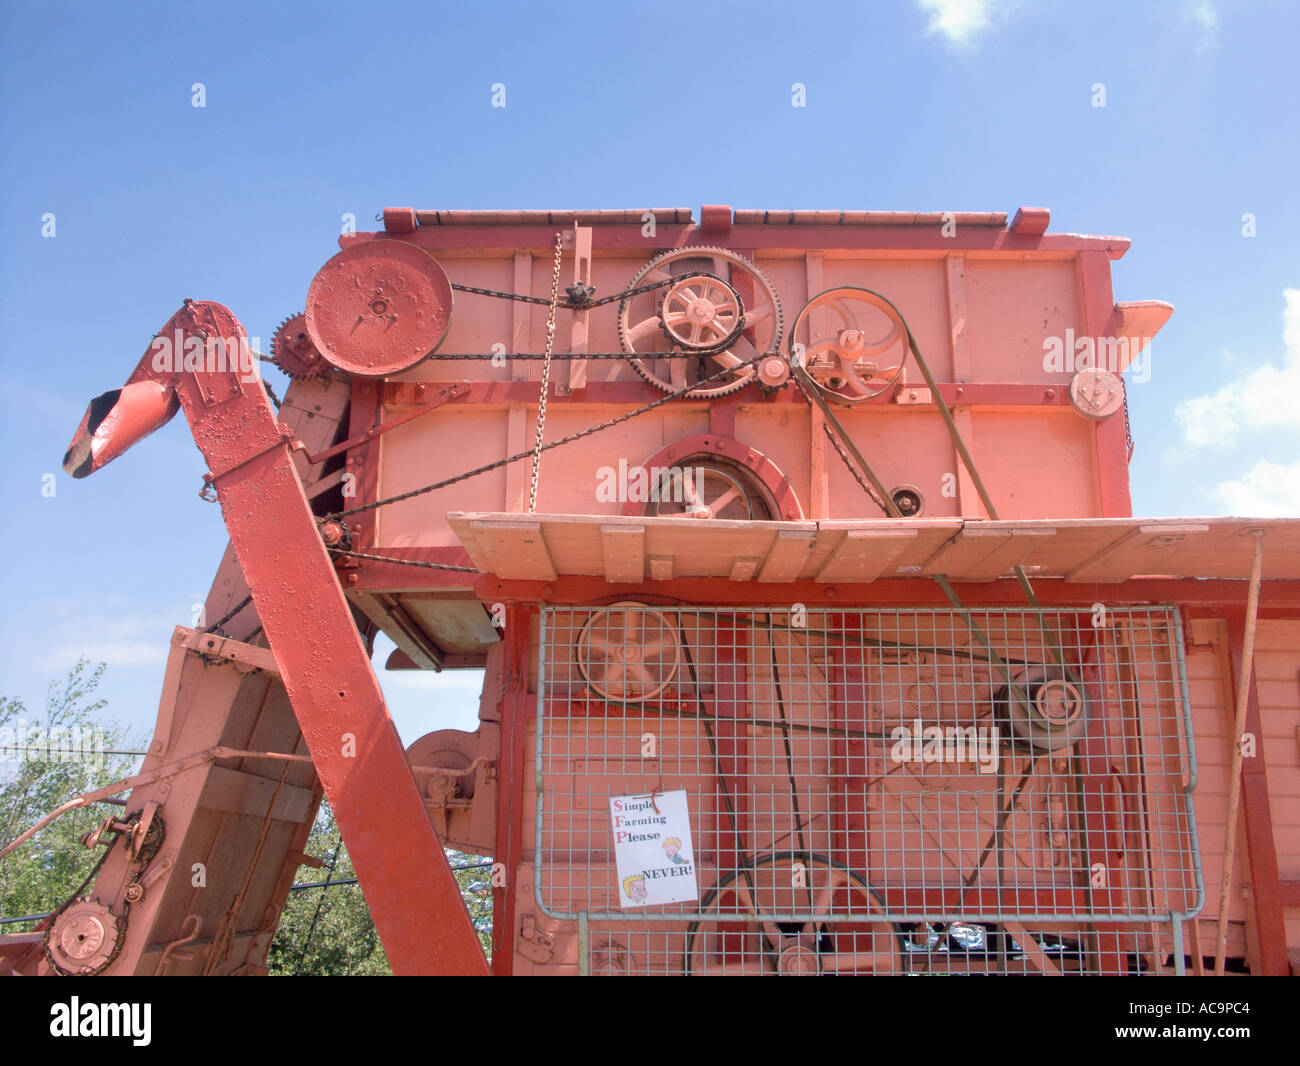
pixel 1128 427
pixel 546 376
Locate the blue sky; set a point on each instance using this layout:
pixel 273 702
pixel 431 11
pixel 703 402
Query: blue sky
pixel 317 110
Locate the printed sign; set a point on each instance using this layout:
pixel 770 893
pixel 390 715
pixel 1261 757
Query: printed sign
pixel 653 849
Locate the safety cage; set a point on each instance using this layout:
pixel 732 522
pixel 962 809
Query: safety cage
pixel 872 791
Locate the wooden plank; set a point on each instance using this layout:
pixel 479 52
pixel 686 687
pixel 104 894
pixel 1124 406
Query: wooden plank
pixel 235 792
pixel 624 552
pixel 1135 552
pixel 865 554
pixel 789 554
pixel 978 554
pixel 743 568
pixel 515 550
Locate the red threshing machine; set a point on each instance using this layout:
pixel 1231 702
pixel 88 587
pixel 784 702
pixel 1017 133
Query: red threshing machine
pixel 797 551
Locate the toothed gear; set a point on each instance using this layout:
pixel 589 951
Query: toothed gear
pixel 293 352
pixel 758 318
pixel 701 313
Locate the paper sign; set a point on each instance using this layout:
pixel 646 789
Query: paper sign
pixel 653 849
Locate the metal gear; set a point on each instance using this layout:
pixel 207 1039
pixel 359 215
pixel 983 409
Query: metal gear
pixel 293 352
pixel 701 313
pixel 84 938
pixel 758 318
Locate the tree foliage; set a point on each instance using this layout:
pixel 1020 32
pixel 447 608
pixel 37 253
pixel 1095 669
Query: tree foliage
pixel 329 932
pixel 48 760
pixel 45 761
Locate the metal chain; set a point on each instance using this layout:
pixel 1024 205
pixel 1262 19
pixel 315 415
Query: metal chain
pixel 216 626
pixel 857 476
pixel 546 376
pixel 1128 427
pixel 676 394
pixel 487 356
pixel 585 305
pixel 404 562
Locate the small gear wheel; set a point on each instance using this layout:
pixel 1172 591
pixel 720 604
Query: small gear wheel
pixel 84 938
pixel 710 311
pixel 701 313
pixel 293 351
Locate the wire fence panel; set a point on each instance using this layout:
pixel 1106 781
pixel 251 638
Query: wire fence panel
pixel 869 790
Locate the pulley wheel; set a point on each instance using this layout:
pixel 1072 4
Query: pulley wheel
pixel 1046 709
pixel 378 308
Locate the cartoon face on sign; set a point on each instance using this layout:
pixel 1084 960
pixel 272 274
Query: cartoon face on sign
pixel 634 888
pixel 673 848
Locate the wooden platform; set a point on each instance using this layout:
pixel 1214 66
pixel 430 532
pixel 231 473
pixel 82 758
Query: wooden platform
pixel 543 547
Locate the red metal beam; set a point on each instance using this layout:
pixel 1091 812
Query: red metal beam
pixel 1266 897
pixel 967 394
pixel 912 241
pixel 403 870
pixel 1098 302
pixel 1277 598
pixel 517 705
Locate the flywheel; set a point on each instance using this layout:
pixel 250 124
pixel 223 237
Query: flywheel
pixel 702 486
pixel 854 341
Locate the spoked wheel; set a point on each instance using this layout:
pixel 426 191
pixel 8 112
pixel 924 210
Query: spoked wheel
pixel 714 310
pixel 705 488
pixel 857 343
pixel 744 938
pixel 628 651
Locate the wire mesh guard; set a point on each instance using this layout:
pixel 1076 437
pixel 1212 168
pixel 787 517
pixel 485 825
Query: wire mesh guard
pixel 873 791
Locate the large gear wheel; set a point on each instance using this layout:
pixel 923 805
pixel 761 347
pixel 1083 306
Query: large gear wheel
pixel 293 351
pixel 711 303
pixel 84 938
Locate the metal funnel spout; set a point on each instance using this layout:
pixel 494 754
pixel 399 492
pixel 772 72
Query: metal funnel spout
pixel 116 420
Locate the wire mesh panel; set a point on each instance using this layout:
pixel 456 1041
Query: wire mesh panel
pixel 750 947
pixel 869 790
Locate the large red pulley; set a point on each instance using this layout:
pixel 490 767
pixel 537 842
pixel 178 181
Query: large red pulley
pixel 378 308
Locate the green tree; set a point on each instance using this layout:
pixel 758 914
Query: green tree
pixel 329 932
pixel 45 761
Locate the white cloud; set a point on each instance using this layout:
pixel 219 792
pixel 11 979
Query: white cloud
pixel 102 631
pixel 1206 19
pixel 1269 490
pixel 961 21
pixel 1265 398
